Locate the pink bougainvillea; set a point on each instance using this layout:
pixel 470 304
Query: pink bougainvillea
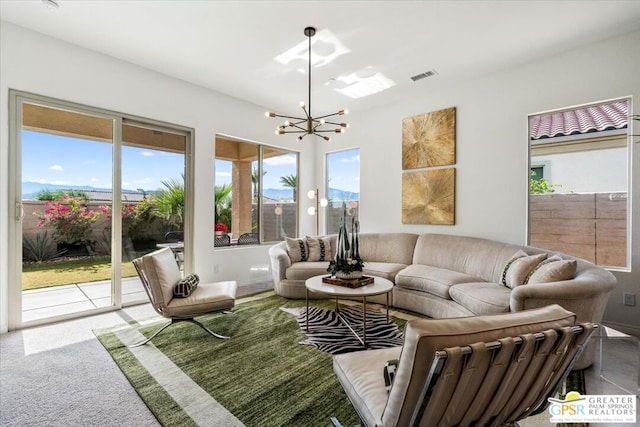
pixel 70 218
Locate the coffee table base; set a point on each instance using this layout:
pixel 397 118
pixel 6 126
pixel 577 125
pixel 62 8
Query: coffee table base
pixel 363 339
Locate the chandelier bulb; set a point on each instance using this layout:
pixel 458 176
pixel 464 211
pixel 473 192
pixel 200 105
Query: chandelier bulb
pixel 326 138
pixel 269 114
pixel 300 138
pixel 339 130
pixel 343 112
pixel 344 125
pixel 321 121
pixel 302 104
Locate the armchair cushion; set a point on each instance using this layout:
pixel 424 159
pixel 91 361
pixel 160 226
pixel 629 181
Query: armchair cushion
pixel 360 374
pixel 161 269
pixel 206 298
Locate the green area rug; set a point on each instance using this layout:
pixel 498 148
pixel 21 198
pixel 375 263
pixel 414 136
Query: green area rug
pixel 262 375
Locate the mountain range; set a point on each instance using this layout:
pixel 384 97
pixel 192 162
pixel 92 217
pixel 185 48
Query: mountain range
pixel 31 189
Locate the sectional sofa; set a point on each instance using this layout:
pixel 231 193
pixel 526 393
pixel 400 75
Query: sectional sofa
pixel 442 276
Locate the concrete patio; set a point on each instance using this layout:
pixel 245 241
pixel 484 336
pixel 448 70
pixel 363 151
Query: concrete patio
pixel 59 300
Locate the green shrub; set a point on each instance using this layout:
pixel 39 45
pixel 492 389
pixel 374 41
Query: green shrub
pixel 41 249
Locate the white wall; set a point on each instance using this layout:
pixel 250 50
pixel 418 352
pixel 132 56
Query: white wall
pixel 598 171
pixel 492 165
pixel 35 63
pixel 491 177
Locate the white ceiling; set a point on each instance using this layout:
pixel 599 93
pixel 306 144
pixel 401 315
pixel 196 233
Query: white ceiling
pixel 230 46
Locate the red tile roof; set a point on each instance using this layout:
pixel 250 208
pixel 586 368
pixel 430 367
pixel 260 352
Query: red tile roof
pixel 595 118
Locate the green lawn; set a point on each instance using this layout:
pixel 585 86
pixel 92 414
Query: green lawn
pixel 43 275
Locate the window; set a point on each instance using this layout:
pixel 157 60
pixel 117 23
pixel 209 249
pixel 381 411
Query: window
pixel 256 192
pixel 578 192
pixel 342 187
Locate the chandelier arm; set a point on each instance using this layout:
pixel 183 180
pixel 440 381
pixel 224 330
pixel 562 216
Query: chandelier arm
pixel 299 127
pixel 326 138
pixel 290 117
pixel 296 123
pixel 295 131
pixel 327 115
pixel 333 123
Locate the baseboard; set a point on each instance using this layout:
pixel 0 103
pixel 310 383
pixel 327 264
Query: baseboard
pixel 623 327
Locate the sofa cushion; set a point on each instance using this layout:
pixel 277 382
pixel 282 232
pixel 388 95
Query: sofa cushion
pixel 517 270
pixel 433 280
pixel 482 297
pixel 386 270
pixel 554 269
pixel 388 247
pixel 305 270
pixel 297 249
pixel 319 248
pixel 477 257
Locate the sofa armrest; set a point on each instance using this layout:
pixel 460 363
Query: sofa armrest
pixel 280 261
pixel 586 295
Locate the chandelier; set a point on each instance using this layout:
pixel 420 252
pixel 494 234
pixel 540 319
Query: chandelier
pixel 309 125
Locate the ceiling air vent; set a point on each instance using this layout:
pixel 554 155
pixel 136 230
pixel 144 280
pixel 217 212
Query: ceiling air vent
pixel 424 75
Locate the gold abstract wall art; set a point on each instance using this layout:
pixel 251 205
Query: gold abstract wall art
pixel 429 139
pixel 428 196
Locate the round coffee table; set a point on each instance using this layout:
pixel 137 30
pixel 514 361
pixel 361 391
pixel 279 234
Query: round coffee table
pixel 378 287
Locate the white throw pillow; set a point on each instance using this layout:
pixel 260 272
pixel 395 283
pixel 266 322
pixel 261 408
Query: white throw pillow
pixel 319 248
pixel 554 269
pixel 298 249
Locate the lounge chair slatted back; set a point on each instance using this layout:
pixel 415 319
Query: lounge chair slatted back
pixel 479 371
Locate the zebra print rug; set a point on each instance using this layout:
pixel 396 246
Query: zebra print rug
pixel 327 333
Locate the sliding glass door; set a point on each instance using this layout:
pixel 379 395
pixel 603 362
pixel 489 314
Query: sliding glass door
pixel 93 190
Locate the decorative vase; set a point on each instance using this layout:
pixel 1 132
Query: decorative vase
pixel 352 275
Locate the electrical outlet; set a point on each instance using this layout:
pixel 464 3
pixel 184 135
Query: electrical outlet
pixel 629 299
pixel 216 268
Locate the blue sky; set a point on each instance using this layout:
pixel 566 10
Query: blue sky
pixel 53 159
pixel 343 168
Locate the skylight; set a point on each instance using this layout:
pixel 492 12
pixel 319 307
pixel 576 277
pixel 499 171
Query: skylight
pixel 361 84
pixel 325 48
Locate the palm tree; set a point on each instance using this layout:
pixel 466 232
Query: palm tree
pixel 223 204
pixel 255 179
pixel 170 202
pixel 290 181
